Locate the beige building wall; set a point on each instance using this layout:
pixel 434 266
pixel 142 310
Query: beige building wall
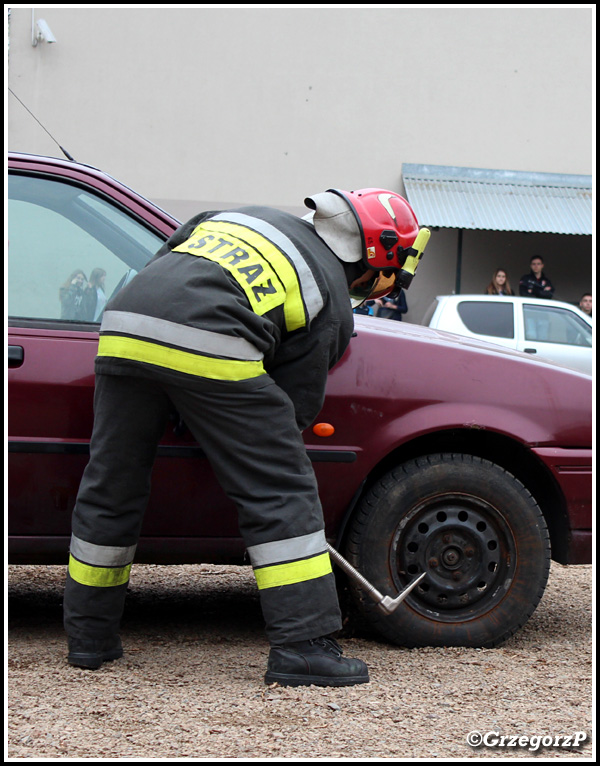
pixel 202 107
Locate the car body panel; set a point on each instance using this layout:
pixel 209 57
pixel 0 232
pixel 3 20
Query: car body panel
pixel 531 317
pixel 399 391
pixel 573 471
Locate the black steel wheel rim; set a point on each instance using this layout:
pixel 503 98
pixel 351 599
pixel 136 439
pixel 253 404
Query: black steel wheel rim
pixel 467 548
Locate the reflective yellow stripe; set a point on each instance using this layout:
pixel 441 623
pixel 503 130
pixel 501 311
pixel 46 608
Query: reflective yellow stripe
pixel 174 359
pixel 168 333
pixel 290 549
pixel 98 577
pixel 295 571
pixel 264 273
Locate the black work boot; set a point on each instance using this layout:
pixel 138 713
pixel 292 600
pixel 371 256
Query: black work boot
pixel 317 661
pixel 92 652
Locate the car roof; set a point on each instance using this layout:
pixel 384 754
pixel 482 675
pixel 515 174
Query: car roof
pixel 21 161
pixel 49 160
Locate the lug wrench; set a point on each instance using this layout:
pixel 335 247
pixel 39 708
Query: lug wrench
pixel 385 603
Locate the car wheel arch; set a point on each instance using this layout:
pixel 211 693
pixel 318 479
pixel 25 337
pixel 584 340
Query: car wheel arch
pixel 509 454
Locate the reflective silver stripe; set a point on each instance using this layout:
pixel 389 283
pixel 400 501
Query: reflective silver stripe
pixel 313 300
pixel 287 550
pixel 192 338
pixel 101 555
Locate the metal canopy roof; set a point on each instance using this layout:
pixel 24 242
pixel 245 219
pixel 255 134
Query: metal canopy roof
pixel 499 200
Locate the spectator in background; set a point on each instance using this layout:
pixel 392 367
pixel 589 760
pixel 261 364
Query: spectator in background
pixel 71 296
pixel 500 284
pixel 585 303
pixel 536 284
pixel 365 308
pixel 94 298
pixel 392 308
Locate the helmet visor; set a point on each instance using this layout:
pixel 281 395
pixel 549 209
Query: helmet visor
pixel 372 285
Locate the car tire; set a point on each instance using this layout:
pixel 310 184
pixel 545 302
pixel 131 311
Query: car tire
pixel 473 528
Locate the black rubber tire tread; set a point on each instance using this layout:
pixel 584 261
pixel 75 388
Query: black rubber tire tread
pixel 376 523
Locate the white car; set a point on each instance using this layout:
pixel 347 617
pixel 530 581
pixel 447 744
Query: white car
pixel 552 330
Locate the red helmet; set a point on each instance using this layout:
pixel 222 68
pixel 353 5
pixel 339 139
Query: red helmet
pixel 389 229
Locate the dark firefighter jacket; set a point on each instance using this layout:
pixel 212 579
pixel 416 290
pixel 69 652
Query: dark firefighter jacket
pixel 232 296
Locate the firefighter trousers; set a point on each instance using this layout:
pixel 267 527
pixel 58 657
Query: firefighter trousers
pixel 248 432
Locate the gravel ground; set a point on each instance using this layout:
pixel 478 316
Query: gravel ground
pixel 190 685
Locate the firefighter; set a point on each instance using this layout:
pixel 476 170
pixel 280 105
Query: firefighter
pixel 234 324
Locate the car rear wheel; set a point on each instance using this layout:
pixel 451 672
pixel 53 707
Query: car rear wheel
pixel 477 533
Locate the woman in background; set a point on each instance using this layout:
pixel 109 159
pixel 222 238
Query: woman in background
pixel 499 284
pixel 94 299
pixel 71 296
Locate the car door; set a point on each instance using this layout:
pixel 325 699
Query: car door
pixel 60 229
pixel 558 334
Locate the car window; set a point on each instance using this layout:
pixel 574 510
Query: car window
pixel 69 250
pixel 487 318
pixel 555 325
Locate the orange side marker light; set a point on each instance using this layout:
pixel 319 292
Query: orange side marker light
pixel 323 429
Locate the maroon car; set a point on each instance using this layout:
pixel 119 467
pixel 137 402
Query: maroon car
pixel 442 455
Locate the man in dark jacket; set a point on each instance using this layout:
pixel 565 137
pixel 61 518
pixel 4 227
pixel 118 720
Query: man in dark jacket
pixel 235 323
pixel 536 284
